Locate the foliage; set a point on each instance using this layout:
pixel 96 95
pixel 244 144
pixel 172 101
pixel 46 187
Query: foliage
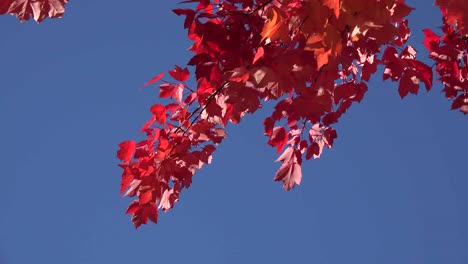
pixel 36 9
pixel 312 57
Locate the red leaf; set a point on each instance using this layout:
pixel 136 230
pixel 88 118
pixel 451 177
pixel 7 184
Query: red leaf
pixel 133 207
pixel 145 197
pixel 314 150
pixel 258 54
pixel 329 136
pixel 286 155
pixel 190 99
pixel 148 124
pixel 167 200
pixel 189 16
pixel 147 211
pixel 152 212
pixel 431 40
pixel 155 79
pixel 290 172
pixel 269 122
pixel 134 185
pixel 423 72
pixel 333 5
pixel 409 83
pixel 37 9
pixel 278 138
pixel 127 178
pixel 127 148
pixel 180 74
pixel 461 102
pixel 159 112
pixel 171 90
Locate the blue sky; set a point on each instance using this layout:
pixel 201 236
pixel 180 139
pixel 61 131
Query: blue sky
pixel 392 190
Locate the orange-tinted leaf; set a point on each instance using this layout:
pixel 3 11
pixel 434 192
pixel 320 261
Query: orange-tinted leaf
pixel 275 26
pixel 333 5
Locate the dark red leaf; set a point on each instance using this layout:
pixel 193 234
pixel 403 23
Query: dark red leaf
pixel 461 102
pixel 133 207
pixel 278 138
pixel 189 16
pixel 409 83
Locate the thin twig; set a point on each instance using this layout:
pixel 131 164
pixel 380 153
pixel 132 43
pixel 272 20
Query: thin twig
pixel 200 107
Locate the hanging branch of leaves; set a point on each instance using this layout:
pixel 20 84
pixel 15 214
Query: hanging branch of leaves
pixel 313 58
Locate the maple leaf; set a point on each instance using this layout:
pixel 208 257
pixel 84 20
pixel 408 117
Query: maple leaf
pixel 189 16
pixel 37 9
pixel 258 54
pixel 275 26
pixel 180 74
pixel 431 40
pixel 159 112
pixel 290 172
pixel 278 138
pixel 318 54
pixel 333 5
pixel 127 148
pixel 171 90
pixel 168 199
pixel 153 80
pixel 127 178
pixel 5 5
pixel 455 12
pixel 461 102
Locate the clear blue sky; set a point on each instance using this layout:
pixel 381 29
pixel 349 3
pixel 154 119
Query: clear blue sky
pixel 393 189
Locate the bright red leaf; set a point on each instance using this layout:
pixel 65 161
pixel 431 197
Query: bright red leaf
pixel 153 80
pixel 180 74
pixel 159 112
pixel 127 148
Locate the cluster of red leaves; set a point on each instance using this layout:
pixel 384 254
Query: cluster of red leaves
pixel 314 57
pixel 37 9
pixel 450 52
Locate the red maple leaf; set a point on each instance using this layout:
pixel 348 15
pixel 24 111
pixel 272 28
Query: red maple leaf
pixel 127 148
pixel 278 138
pixel 314 58
pixel 37 9
pixel 180 74
pixel 159 112
pixel 290 172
